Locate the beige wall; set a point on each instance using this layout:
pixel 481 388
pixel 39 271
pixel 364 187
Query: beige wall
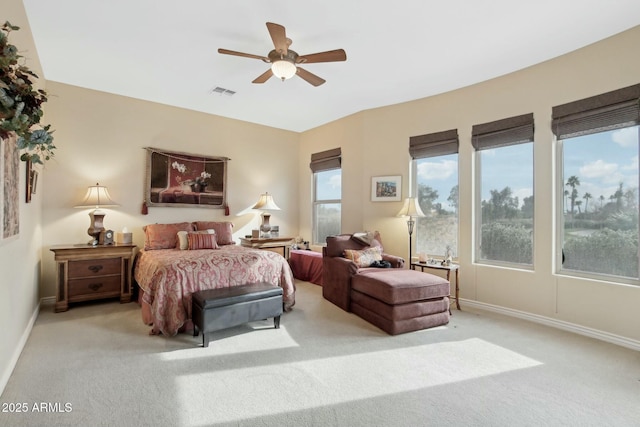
pixel 379 146
pixel 346 134
pixel 101 139
pixel 20 257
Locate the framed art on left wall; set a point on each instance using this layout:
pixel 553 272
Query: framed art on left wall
pixel 9 190
pixel 31 178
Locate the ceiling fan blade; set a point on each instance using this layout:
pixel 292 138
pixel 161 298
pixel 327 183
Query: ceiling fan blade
pixel 310 77
pixel 279 37
pixel 263 77
pixel 246 55
pixel 328 56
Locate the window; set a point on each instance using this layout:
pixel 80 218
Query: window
pixel 598 143
pixel 327 194
pixel 504 218
pixel 435 161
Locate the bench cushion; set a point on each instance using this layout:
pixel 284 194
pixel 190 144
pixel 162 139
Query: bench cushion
pixel 399 286
pixel 210 298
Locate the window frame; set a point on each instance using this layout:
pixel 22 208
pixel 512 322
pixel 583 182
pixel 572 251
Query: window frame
pixel 494 135
pixel 429 146
pixel 315 203
pixel 323 161
pixel 617 109
pixel 414 179
pixel 559 220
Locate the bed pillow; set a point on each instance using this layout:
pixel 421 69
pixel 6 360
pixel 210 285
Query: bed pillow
pixel 183 242
pixel 202 241
pixel 223 229
pixel 163 236
pixel 365 257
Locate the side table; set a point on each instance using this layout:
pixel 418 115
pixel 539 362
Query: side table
pixel 449 269
pixel 278 245
pixel 86 273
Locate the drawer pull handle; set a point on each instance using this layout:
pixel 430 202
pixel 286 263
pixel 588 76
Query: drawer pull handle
pixel 95 286
pixel 95 268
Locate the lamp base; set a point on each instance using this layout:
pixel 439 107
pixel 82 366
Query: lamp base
pixel 97 216
pixel 265 228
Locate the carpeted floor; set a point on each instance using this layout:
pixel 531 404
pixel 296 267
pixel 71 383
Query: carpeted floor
pixel 96 365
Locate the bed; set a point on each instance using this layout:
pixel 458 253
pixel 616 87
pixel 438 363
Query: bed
pixel 167 275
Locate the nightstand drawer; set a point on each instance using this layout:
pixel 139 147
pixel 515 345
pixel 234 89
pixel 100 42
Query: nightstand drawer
pixel 95 267
pixel 94 285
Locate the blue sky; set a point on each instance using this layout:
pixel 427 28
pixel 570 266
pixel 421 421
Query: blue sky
pixel 601 161
pixel 329 185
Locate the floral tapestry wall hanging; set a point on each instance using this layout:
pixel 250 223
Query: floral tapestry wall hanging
pixel 185 180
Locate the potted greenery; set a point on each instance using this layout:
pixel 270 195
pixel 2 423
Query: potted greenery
pixel 21 104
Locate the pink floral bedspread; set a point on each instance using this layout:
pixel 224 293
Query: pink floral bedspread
pixel 168 277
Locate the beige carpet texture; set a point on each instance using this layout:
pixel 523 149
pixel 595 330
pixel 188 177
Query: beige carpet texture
pixel 96 365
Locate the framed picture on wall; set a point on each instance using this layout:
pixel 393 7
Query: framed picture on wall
pixel 29 188
pixel 386 188
pixel 9 191
pixel 185 180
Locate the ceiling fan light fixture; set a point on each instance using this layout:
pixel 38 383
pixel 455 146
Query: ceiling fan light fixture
pixel 284 60
pixel 283 69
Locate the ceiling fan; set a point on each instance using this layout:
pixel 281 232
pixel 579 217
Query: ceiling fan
pixel 284 61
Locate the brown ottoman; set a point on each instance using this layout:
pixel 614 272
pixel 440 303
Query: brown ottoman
pixel 398 300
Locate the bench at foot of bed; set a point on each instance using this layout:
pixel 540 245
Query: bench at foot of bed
pixel 216 309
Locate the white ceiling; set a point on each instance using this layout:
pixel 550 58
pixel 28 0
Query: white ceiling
pixel 165 51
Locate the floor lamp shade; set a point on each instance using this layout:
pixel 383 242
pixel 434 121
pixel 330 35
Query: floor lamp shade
pixel 97 197
pixel 410 209
pixel 265 203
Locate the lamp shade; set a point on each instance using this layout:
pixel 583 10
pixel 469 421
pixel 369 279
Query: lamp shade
pixel 411 208
pixel 266 203
pixel 283 69
pixel 97 197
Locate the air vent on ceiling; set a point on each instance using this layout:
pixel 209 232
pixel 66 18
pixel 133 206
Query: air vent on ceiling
pixel 222 91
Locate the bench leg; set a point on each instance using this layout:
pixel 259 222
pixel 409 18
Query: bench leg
pixel 205 339
pixel 276 322
pixel 195 330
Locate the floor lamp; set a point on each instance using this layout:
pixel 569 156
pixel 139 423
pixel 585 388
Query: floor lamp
pixel 410 209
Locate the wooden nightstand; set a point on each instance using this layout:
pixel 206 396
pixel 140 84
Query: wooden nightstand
pixel 278 245
pixel 85 273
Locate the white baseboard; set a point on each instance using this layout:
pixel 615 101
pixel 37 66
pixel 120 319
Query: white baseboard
pixel 48 300
pixel 18 350
pixel 555 323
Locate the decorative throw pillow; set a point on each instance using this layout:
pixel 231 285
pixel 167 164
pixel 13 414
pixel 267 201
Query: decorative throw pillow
pixel 183 242
pixel 224 230
pixel 365 257
pixel 366 237
pixel 202 241
pixel 163 236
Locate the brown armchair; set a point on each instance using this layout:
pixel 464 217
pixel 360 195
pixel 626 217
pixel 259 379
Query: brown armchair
pixel 337 271
pixel 395 299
